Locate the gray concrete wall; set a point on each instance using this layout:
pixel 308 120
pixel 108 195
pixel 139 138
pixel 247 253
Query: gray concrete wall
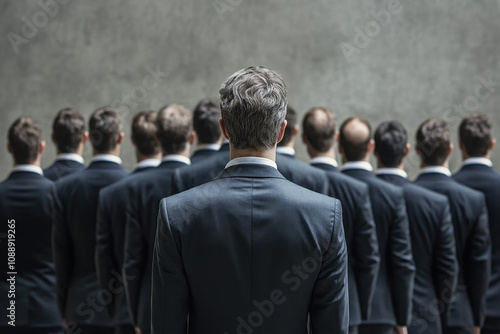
pixel 426 58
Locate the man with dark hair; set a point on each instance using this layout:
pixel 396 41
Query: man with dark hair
pixel 111 219
pixel 176 135
pixel 431 230
pixel 359 227
pixel 391 306
pixel 470 224
pixel 28 298
pixel 82 303
pixel 69 136
pixel 232 262
pixel 476 144
pixel 206 117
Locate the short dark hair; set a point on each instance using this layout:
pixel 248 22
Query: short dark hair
pixel 319 128
pixel 475 134
pixel 206 117
pixel 105 125
pixel 390 143
pixel 68 128
pixel 25 136
pixel 355 149
pixel 144 132
pixel 175 125
pixel 433 141
pixel 291 121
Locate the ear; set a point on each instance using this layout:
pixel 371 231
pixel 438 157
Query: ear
pixel 492 144
pixel 53 137
pixel 119 140
pixel 192 137
pixel 133 140
pixel 407 149
pixel 341 150
pixel 9 148
pixel 295 130
pixel 461 146
pixel 371 146
pixel 41 149
pixel 223 128
pixel 417 149
pixel 450 149
pixel 304 139
pixel 282 131
pixel 85 137
pixel 336 137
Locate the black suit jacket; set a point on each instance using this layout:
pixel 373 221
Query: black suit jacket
pixel 144 194
pixel 202 155
pixel 487 180
pixel 325 167
pixel 472 241
pixel 26 216
pixel 74 242
pixel 392 301
pixel 235 263
pixel 301 173
pixel 433 246
pixel 62 168
pixel 361 240
pixel 110 243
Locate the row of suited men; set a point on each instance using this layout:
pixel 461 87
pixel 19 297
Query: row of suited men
pixel 421 258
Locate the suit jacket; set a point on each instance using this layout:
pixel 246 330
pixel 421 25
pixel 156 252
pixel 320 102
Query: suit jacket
pixel 301 173
pixel 144 194
pixel 361 240
pixel 487 180
pixel 74 242
pixel 325 167
pixel 433 245
pixel 234 263
pixel 62 168
pixel 26 216
pixel 472 241
pixel 202 155
pixel 110 243
pixel 394 290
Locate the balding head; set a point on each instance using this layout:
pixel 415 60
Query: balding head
pixel 319 128
pixel 355 139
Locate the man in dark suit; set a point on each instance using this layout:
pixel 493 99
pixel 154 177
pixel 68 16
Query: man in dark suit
pixel 176 135
pixel 232 263
pixel 112 217
pixel 27 280
pixel 81 301
pixel 69 135
pixel 470 225
pixel 476 144
pixel 360 233
pixel 206 125
pixel 431 230
pixel 391 306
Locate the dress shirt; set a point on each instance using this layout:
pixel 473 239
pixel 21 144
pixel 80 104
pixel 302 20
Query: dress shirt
pixel 106 157
pixel 285 150
pixel 251 160
pixel 392 171
pixel 177 157
pixel 324 160
pixel 436 169
pixel 70 156
pixel 358 165
pixel 28 168
pixel 478 161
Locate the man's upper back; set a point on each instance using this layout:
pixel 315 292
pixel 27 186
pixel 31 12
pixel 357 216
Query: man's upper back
pixel 62 168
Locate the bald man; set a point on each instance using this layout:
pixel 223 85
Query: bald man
pixel 391 305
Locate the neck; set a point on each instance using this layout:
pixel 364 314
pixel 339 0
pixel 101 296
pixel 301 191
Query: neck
pixel 291 144
pixel 245 152
pixel 140 157
pixel 444 164
pixel 36 162
pixel 115 151
pixel 381 165
pixel 465 156
pixel 186 152
pixel 315 154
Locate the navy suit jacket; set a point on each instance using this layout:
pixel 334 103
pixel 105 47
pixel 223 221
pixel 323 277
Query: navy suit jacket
pixel 301 173
pixel 487 180
pixel 392 302
pixel 472 241
pixel 62 168
pixel 325 167
pixel 433 246
pixel 26 216
pixel 202 155
pixel 74 242
pixel 250 251
pixel 144 194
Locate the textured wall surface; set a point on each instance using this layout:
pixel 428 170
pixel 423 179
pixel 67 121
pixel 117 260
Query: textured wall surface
pixel 426 60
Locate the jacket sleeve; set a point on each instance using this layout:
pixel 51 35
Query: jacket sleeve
pixel 329 307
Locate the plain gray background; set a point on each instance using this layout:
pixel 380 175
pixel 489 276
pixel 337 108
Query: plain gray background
pixel 86 54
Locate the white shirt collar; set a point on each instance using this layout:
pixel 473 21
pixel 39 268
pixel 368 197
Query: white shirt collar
pixel 177 157
pixel 106 157
pixel 392 171
pixel 70 156
pixel 251 160
pixel 147 163
pixel 436 169
pixel 358 165
pixel 478 161
pixel 213 147
pixel 324 160
pixel 28 168
pixel 285 150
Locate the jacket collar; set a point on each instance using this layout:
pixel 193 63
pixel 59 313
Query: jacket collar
pixel 250 171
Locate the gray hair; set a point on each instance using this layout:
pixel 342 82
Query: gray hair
pixel 253 107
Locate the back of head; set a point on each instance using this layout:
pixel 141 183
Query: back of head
pixel 319 128
pixel 175 125
pixel 144 133
pixel 25 136
pixel 291 122
pixel 390 143
pixel 355 137
pixel 206 117
pixel 105 126
pixel 476 134
pixel 433 141
pixel 253 107
pixel 68 129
